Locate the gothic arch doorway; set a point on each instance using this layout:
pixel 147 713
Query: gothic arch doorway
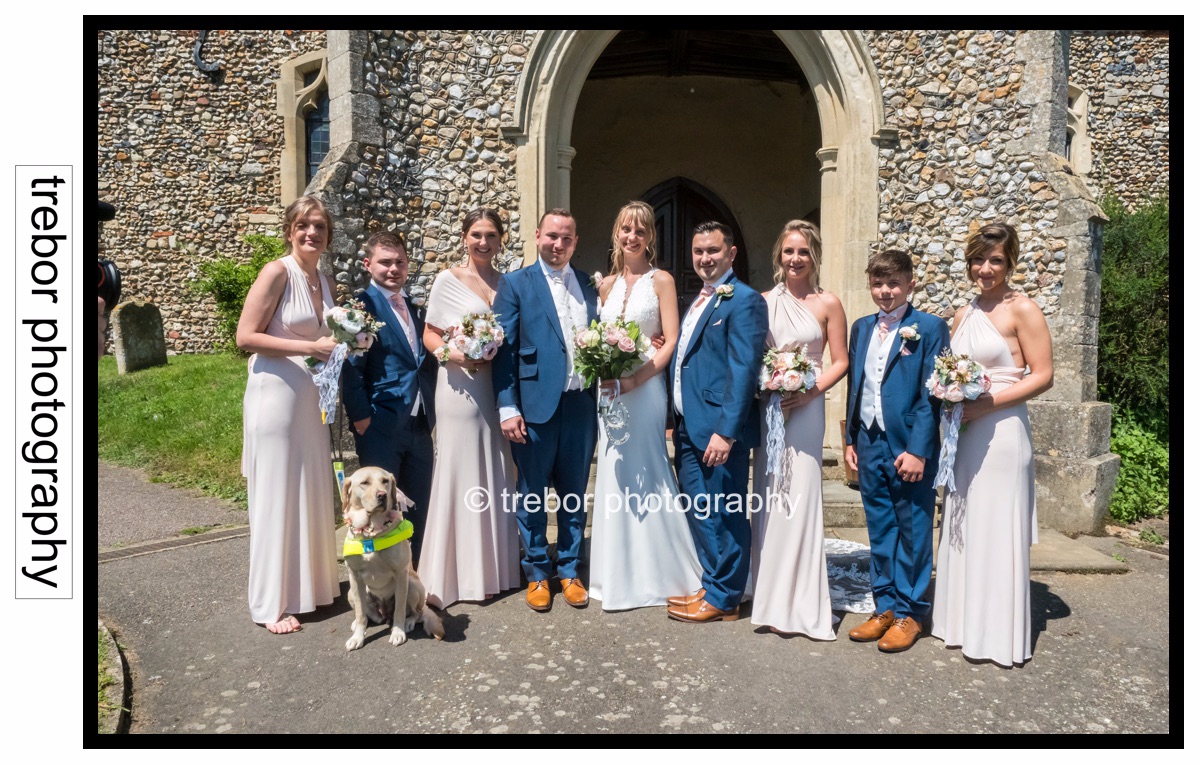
pixel 847 109
pixel 679 206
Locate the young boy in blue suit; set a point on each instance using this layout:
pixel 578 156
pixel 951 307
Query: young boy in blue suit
pixel 892 440
pixel 388 391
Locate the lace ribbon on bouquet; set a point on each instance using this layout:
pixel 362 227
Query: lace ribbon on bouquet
pixel 775 439
pixel 951 422
pixel 614 415
pixel 326 378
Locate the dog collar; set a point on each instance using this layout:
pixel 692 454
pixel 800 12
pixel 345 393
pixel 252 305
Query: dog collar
pixel 356 546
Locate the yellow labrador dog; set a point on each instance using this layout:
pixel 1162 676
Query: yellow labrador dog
pixel 379 556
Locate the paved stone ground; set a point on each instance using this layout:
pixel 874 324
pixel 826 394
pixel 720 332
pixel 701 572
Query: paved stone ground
pixel 137 510
pixel 1101 662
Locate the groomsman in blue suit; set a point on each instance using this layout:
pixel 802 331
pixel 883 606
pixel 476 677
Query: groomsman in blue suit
pixel 714 375
pixel 388 391
pixel 892 440
pixel 547 412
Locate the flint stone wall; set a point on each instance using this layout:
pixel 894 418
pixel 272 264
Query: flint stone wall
pixel 417 143
pixel 962 159
pixel 1127 76
pixel 191 162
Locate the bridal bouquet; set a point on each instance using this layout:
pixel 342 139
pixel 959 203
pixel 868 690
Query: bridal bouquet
pixel 607 350
pixel 355 330
pixel 784 372
pixel 478 336
pixel 955 378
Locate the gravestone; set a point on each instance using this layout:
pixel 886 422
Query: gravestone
pixel 138 341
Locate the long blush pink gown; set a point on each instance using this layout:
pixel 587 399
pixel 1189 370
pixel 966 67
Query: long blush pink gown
pixel 471 548
pixel 289 473
pixel 981 598
pixel 791 582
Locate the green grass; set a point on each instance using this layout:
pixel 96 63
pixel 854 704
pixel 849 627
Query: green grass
pixel 196 530
pixel 103 707
pixel 181 423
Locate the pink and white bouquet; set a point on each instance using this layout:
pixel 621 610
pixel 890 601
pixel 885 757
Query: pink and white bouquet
pixel 607 350
pixel 956 377
pixel 478 336
pixel 785 372
pixel 355 330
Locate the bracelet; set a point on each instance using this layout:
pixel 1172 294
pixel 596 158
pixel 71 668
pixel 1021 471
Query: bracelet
pixel 442 354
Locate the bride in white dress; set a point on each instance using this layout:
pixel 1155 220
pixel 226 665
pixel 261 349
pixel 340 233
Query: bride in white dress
pixel 642 549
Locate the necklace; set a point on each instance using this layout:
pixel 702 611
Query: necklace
pixel 311 286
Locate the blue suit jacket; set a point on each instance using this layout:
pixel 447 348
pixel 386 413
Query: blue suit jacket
pixel 530 370
pixel 910 412
pixel 388 375
pixel 720 368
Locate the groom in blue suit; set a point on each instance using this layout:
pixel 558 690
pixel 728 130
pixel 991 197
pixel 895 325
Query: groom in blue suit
pixel 547 412
pixel 714 375
pixel 388 391
pixel 892 440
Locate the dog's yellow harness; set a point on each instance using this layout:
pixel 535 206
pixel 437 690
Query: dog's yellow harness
pixel 353 546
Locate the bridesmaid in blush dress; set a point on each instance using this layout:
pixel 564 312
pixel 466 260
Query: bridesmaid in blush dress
pixel 285 448
pixel 471 546
pixel 791 583
pixel 988 524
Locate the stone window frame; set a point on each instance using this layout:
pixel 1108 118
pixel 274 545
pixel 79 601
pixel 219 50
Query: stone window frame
pixel 295 100
pixel 1079 143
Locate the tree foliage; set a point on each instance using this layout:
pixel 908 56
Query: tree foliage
pixel 228 282
pixel 1134 367
pixel 1134 354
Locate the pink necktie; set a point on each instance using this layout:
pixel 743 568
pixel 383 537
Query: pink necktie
pixel 405 321
pixel 401 308
pixel 705 292
pixel 884 326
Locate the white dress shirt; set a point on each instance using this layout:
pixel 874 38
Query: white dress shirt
pixel 685 337
pixel 870 407
pixel 572 314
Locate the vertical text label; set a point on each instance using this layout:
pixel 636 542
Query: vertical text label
pixel 42 418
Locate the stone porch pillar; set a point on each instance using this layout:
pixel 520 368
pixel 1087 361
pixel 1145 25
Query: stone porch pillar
pixel 1075 472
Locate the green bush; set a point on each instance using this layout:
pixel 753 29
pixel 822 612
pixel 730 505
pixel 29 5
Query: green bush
pixel 1133 365
pixel 228 282
pixel 1133 370
pixel 1143 484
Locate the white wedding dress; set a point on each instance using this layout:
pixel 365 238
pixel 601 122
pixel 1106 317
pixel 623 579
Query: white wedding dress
pixel 642 549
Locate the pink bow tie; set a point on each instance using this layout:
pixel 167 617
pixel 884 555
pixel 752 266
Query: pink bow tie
pixel 705 292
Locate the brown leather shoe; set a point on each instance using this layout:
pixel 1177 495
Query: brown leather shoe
pixel 874 627
pixel 537 596
pixel 685 599
pixel 574 592
pixel 901 636
pixel 701 611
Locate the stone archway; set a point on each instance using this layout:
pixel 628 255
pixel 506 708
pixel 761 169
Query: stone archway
pixel 850 108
